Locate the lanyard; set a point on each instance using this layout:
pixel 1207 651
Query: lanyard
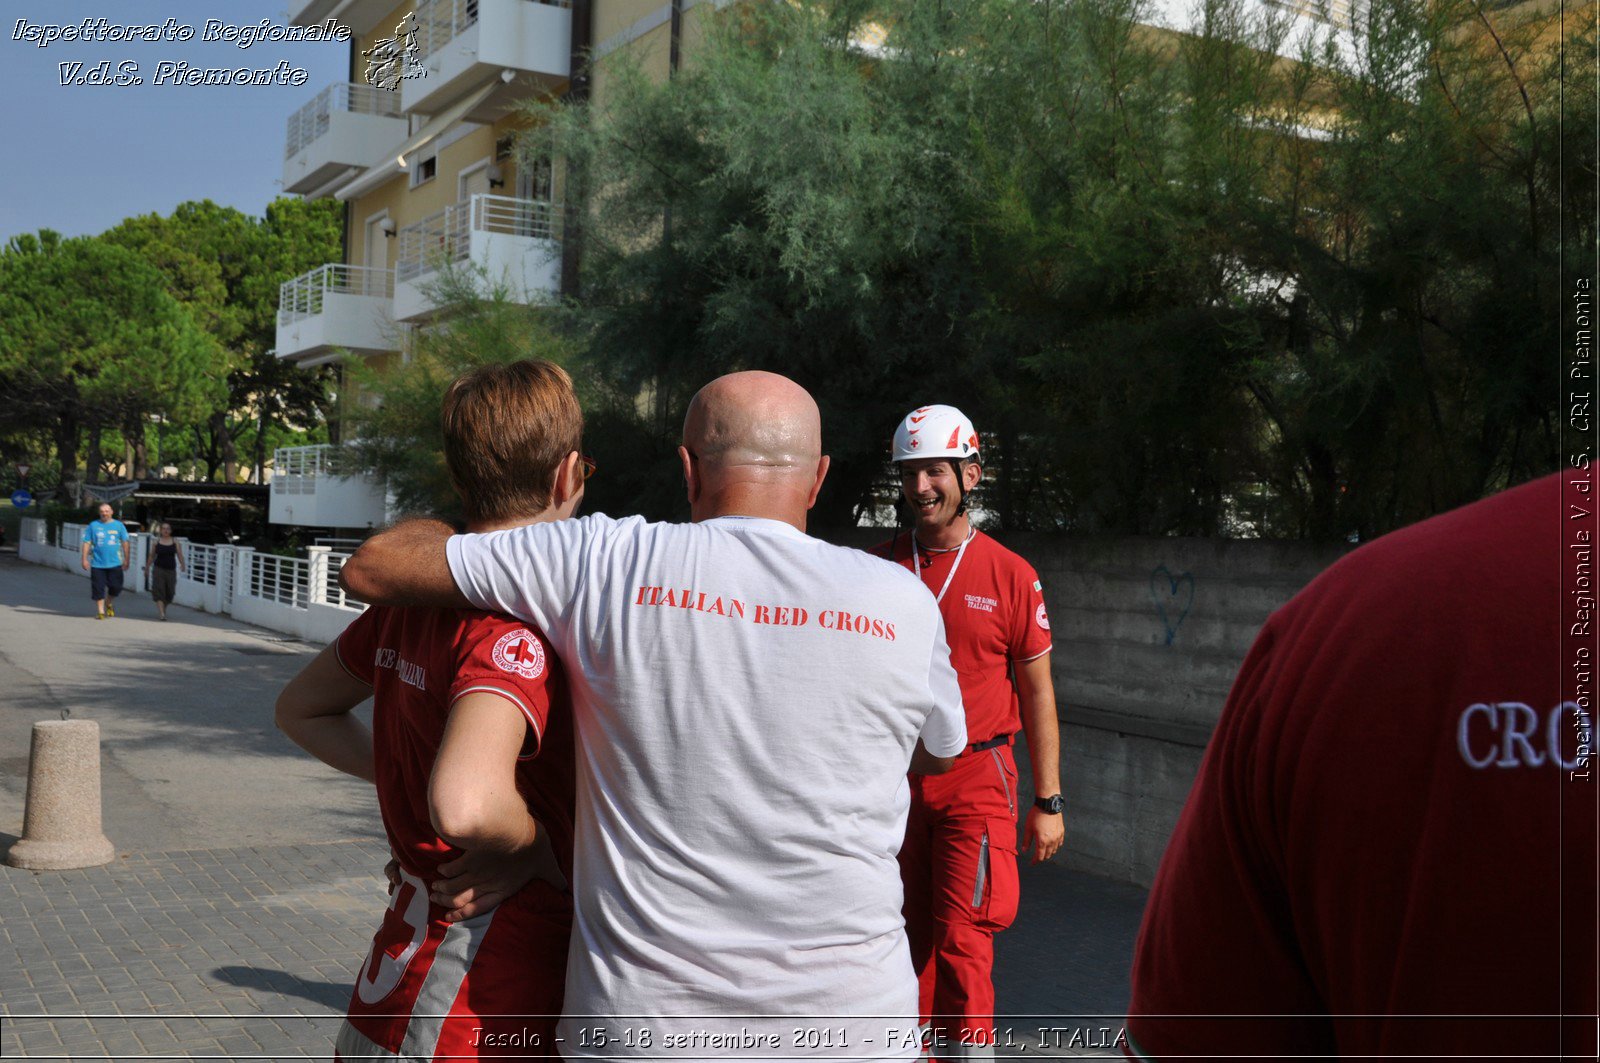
pixel 916 563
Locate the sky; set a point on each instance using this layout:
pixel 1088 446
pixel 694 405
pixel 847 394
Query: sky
pixel 80 158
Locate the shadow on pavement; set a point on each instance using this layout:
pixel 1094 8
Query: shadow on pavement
pixel 331 995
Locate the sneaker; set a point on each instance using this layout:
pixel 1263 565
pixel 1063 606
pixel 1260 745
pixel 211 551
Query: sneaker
pixel 99 616
pixel 109 610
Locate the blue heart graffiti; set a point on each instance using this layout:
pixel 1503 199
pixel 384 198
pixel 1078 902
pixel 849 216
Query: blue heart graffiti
pixel 1164 592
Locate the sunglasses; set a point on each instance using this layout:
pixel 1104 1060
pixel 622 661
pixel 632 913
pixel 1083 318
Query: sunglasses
pixel 588 464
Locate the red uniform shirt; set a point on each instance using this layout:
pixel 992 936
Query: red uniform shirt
pixel 489 985
pixel 419 661
pixel 1392 825
pixel 994 616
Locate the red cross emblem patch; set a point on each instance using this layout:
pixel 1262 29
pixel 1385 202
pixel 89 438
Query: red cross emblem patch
pixel 520 652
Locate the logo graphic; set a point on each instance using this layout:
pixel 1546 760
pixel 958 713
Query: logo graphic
pixel 520 653
pixel 919 420
pixel 955 437
pixel 1041 617
pixel 395 59
pixel 1038 586
pixel 915 443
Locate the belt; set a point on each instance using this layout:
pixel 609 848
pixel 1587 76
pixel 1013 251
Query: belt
pixel 996 741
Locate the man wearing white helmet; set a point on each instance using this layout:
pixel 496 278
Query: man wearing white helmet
pixel 959 860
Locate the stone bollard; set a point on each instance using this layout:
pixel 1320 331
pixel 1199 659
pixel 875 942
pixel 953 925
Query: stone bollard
pixel 61 823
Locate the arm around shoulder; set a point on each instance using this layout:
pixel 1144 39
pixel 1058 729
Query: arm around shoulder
pixel 404 565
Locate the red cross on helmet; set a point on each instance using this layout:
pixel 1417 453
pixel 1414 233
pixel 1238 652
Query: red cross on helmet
pixel 935 432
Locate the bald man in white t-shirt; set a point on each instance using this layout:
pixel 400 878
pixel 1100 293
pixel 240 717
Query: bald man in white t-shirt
pixel 747 700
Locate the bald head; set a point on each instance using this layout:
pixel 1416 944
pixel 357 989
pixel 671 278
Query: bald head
pixel 754 420
pixel 752 445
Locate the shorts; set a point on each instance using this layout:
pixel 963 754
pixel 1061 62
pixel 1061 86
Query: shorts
pixel 163 584
pixel 105 582
pixel 491 985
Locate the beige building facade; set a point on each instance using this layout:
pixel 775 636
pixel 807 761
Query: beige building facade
pixel 420 145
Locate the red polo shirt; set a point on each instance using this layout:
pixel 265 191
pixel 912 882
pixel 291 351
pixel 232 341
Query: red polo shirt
pixel 994 615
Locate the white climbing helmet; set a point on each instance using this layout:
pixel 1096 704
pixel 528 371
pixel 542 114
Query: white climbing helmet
pixel 935 432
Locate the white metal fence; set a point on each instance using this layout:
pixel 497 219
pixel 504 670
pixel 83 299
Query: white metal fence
pixel 285 580
pixel 331 589
pixel 297 595
pixel 305 295
pixel 202 564
pixel 313 120
pixel 445 236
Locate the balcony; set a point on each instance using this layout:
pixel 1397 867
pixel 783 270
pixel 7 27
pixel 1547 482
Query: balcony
pixel 464 43
pixel 360 15
pixel 514 243
pixel 345 126
pixel 336 307
pixel 307 490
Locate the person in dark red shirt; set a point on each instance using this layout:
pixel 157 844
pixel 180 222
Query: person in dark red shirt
pixel 471 752
pixel 1389 851
pixel 959 860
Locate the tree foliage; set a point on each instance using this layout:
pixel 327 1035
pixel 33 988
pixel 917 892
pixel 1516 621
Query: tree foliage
pixel 94 340
pixel 395 430
pixel 159 330
pixel 225 267
pixel 1242 279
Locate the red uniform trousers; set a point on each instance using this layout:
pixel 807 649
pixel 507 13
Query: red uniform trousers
pixel 959 866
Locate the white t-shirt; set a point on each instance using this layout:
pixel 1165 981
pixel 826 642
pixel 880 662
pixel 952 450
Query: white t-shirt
pixel 747 700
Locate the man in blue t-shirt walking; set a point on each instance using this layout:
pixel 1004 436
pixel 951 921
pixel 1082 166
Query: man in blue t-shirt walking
pixel 106 554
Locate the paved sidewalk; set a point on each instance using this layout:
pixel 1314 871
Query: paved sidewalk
pixel 246 887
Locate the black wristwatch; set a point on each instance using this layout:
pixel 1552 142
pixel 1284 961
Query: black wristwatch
pixel 1050 805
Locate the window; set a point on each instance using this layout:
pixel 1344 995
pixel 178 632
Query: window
pixel 425 170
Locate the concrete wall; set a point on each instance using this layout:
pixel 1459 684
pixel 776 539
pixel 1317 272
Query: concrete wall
pixel 1149 634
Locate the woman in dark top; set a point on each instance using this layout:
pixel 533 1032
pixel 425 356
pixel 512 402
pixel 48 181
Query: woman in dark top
pixel 164 560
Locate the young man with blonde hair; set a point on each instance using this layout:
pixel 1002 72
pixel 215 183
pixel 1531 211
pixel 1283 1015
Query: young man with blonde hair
pixel 471 751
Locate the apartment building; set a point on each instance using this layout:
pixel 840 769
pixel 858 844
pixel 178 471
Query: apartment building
pixel 418 144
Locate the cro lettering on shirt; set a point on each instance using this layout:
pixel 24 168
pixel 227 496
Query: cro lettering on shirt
pixel 773 615
pixel 978 601
pixel 407 672
pixel 1511 734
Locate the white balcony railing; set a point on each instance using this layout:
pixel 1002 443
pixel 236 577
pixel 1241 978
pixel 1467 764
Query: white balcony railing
pixel 445 236
pixel 316 118
pixel 441 21
pixel 306 295
pixel 295 469
pixel 312 487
